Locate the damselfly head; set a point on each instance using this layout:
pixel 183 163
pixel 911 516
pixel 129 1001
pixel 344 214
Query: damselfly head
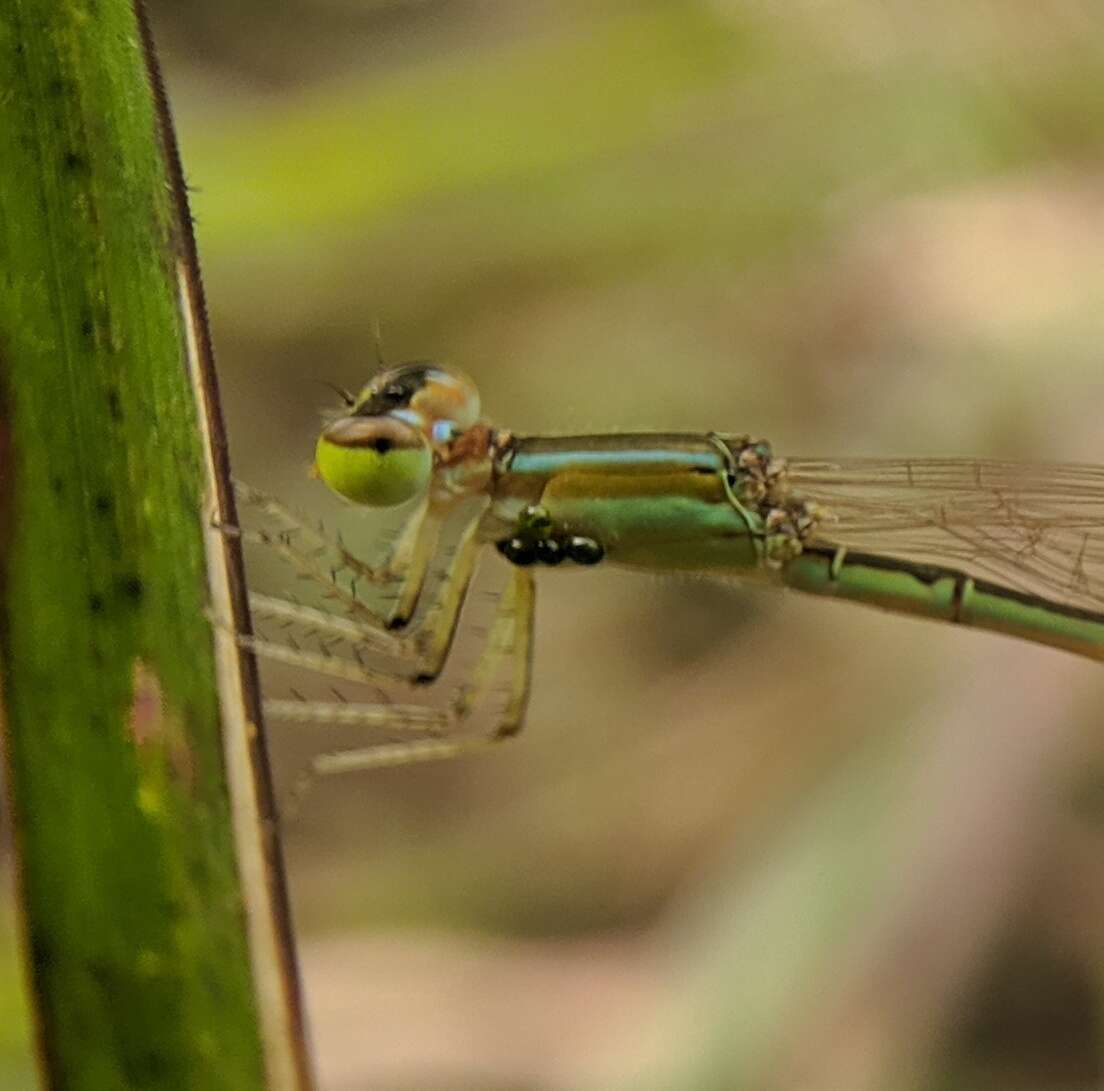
pixel 382 450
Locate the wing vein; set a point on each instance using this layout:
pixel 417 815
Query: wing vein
pixel 1035 528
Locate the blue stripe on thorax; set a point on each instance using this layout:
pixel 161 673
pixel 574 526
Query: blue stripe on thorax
pixel 545 457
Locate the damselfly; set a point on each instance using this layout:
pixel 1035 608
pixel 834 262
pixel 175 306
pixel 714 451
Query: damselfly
pixel 1009 547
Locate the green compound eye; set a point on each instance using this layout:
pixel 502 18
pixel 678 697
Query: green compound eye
pixel 377 461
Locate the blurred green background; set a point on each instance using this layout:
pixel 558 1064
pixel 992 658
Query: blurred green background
pixel 746 841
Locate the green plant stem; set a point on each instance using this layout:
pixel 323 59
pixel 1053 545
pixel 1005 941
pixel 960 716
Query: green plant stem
pixel 145 880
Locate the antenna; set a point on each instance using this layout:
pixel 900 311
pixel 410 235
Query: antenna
pixel 377 341
pixel 340 391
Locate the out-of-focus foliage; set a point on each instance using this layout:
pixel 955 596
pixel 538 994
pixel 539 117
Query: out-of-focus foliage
pixel 745 840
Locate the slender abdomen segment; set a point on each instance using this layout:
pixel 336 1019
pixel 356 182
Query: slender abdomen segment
pixel 945 594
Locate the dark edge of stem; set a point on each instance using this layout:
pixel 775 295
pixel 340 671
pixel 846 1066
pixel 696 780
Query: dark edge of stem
pixel 276 871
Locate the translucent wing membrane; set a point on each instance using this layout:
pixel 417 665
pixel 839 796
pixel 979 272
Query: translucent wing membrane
pixel 1038 529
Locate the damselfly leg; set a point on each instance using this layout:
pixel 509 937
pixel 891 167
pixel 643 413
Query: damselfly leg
pixel 379 627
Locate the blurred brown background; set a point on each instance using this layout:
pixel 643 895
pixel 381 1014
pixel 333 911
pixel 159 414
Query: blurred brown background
pixel 746 841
